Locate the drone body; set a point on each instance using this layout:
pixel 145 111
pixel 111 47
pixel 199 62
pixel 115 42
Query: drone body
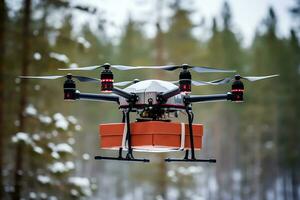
pixel 155 102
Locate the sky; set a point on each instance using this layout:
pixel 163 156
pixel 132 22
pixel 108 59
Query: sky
pixel 247 14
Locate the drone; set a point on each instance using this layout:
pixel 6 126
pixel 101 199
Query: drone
pixel 154 101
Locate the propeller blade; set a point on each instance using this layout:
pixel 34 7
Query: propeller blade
pixel 257 78
pixel 42 77
pixel 124 83
pixel 124 67
pixel 195 83
pixel 200 69
pixel 86 79
pixel 89 68
pixel 200 83
pixel 80 78
pixel 221 81
pixel 203 69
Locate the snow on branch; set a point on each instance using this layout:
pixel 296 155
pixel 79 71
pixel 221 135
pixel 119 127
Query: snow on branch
pixel 86 44
pixel 82 183
pixel 59 57
pixel 60 167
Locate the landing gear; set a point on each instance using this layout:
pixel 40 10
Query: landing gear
pixel 193 157
pixel 129 156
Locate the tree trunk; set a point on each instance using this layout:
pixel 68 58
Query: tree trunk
pixel 23 97
pixel 294 182
pixel 2 55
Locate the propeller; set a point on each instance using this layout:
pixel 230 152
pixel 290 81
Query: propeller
pixel 195 83
pixel 238 77
pixel 200 69
pixel 124 83
pixel 69 76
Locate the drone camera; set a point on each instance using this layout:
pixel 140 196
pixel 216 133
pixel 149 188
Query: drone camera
pixel 185 81
pixel 69 89
pixel 107 80
pixel 237 90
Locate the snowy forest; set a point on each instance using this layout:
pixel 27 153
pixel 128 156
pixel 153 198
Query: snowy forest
pixel 47 145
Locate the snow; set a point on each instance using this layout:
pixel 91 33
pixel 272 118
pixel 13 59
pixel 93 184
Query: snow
pixel 21 136
pixel 74 192
pixel 59 57
pixel 64 147
pixel 17 80
pixel 86 156
pixel 190 170
pixel 48 135
pixel 77 128
pixel 30 110
pixel 60 167
pixel 54 133
pixel 17 123
pixel 37 56
pixel 71 141
pixel 86 44
pixel 237 175
pixel 269 145
pixel 51 145
pixel 60 121
pixel 82 183
pixel 70 165
pixel 45 119
pixel 38 150
pixel 171 173
pixel 73 65
pixel 52 198
pixel 43 179
pixel 72 119
pixel 32 195
pixel 43 195
pixel 37 87
pixel 55 155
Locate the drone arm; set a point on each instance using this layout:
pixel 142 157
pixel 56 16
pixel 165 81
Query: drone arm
pixel 129 96
pixel 97 97
pixel 207 98
pixel 163 97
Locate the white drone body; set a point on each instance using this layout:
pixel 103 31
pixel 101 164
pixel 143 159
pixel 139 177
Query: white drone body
pixel 147 92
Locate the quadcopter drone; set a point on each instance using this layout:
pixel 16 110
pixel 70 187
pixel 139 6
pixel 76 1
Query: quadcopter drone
pixel 153 100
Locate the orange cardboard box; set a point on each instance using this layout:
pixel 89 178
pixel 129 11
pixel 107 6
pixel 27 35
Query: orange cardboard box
pixel 150 135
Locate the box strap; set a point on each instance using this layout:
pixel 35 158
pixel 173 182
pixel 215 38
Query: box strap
pixel 182 137
pixel 124 136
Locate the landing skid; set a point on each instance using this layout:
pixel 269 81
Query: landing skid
pixel 129 157
pixel 190 160
pixel 121 159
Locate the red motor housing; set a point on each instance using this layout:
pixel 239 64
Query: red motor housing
pixel 185 81
pixel 237 90
pixel 69 89
pixel 107 80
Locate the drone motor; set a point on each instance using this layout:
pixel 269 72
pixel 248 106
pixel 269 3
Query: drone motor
pixel 185 79
pixel 107 79
pixel 237 89
pixel 69 89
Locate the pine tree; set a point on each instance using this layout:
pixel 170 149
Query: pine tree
pixel 180 44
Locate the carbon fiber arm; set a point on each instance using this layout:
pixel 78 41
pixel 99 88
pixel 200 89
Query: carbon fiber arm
pixel 97 97
pixel 207 98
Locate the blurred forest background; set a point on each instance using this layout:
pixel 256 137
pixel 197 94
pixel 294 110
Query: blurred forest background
pixel 47 153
